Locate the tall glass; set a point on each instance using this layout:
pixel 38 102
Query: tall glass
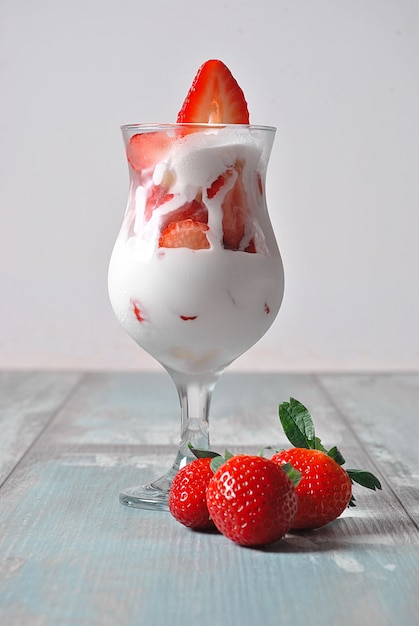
pixel 195 277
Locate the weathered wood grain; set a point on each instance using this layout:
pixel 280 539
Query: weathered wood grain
pixel 71 555
pixel 28 402
pixel 142 409
pixel 383 412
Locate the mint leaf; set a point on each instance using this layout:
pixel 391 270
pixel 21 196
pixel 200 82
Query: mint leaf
pixel 365 479
pixel 297 424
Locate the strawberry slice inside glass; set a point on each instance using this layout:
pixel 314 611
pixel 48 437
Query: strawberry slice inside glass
pixel 196 277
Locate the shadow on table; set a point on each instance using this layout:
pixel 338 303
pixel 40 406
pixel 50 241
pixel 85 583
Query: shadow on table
pixel 341 534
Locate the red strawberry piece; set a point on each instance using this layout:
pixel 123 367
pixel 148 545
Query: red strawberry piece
pixel 214 97
pixel 187 496
pixel 137 311
pixel 185 234
pixel 219 183
pixel 251 247
pixel 250 501
pixel 324 490
pixel 144 150
pixel 156 197
pixel 235 212
pixel 194 210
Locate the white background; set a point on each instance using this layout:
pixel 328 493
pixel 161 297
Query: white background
pixel 340 81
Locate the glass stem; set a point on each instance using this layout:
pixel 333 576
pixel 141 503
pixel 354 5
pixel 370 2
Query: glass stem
pixel 195 394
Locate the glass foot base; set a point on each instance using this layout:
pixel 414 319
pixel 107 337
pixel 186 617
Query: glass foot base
pixel 145 497
pixel 155 495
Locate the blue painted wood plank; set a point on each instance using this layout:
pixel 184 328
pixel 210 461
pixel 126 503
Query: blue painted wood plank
pixel 137 409
pixel 383 410
pixel 71 555
pixel 28 401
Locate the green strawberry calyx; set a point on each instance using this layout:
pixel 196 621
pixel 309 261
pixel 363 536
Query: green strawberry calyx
pixel 298 427
pixel 202 454
pixel 218 460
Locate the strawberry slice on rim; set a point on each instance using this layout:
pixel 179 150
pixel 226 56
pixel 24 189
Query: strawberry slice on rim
pixel 214 97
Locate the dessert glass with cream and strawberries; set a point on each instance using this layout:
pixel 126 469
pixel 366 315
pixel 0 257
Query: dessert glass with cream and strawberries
pixel 196 277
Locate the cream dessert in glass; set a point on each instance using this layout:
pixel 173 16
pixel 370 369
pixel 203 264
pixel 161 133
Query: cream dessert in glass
pixel 195 277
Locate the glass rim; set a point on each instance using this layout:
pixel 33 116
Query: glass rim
pixel 153 127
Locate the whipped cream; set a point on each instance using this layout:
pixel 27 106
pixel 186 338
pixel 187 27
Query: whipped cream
pixel 198 310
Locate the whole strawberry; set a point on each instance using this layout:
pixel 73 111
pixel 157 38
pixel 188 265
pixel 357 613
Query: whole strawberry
pixel 187 496
pixel 251 500
pixel 325 488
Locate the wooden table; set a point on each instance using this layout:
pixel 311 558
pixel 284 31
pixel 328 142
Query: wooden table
pixel 71 555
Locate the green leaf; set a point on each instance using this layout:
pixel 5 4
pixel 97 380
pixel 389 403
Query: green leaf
pixel 297 424
pixel 336 455
pixel 292 473
pixel 319 446
pixel 270 449
pixel 217 462
pixel 365 479
pixel 351 502
pixel 202 454
pixel 227 455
